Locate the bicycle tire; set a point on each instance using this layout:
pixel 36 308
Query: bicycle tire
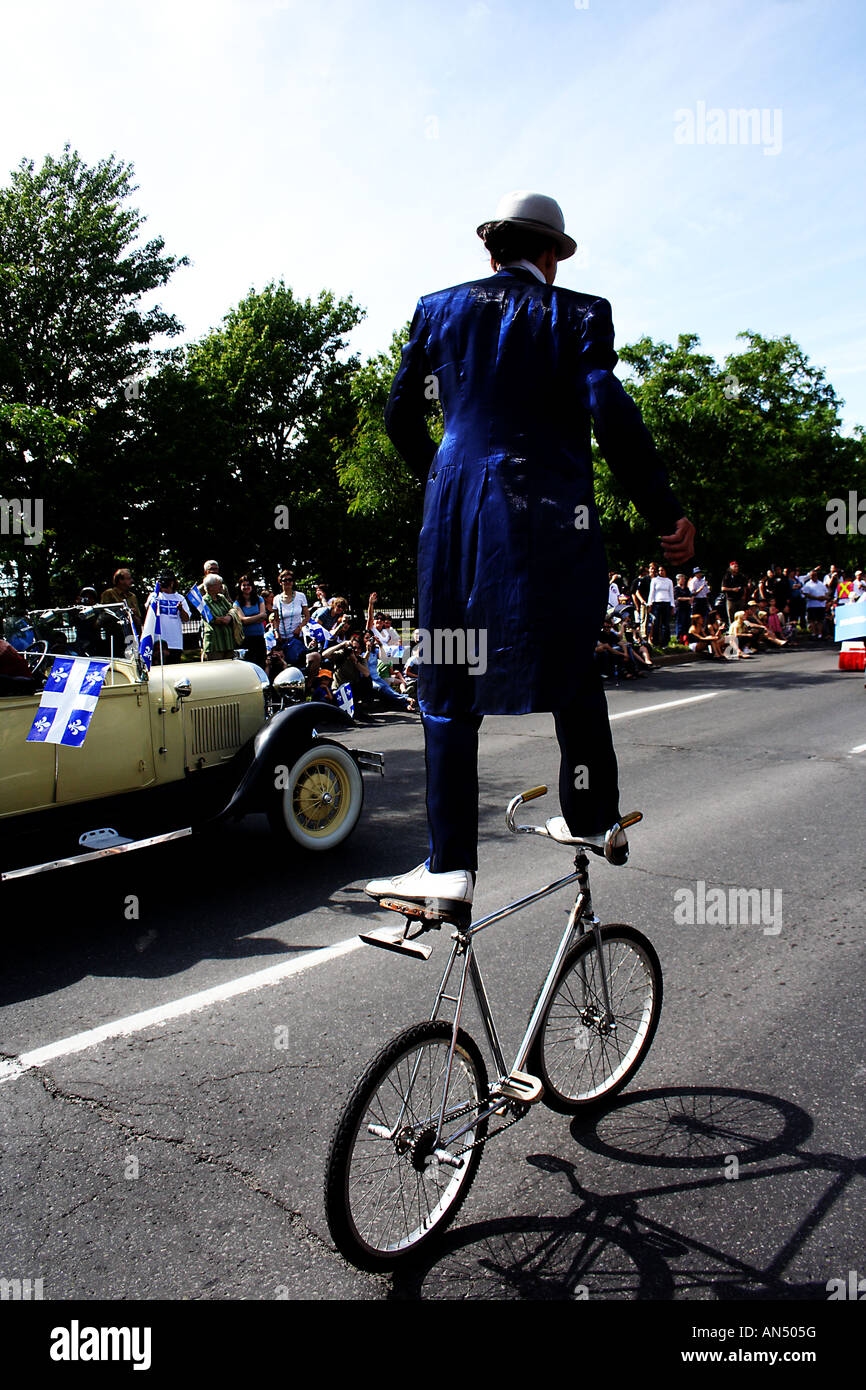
pixel 385 1196
pixel 577 1060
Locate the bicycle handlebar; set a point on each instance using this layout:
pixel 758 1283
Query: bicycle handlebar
pixel 518 801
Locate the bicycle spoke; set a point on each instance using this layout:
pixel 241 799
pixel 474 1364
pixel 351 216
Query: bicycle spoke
pixel 586 1049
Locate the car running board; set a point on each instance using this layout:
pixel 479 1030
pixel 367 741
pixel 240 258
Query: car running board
pixel 118 846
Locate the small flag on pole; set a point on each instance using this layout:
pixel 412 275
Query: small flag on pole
pixel 197 600
pixel 72 689
pixel 346 700
pixel 150 629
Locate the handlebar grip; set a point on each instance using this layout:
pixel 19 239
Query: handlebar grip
pixel 531 795
pixel 631 819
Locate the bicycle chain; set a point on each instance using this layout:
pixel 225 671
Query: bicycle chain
pixel 466 1109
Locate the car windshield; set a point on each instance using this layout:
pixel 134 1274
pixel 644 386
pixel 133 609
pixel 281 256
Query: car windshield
pixel 83 629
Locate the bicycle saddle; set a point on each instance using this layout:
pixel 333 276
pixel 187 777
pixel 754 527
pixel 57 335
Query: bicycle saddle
pixel 613 845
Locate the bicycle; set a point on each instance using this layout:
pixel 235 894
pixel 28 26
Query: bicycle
pixel 409 1141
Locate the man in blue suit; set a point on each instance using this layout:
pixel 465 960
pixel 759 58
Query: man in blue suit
pixel 521 371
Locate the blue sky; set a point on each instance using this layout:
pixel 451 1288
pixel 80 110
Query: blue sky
pixel 356 144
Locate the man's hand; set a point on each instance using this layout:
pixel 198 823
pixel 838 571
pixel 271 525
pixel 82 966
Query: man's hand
pixel 681 545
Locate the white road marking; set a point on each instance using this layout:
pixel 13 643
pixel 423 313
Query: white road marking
pixel 668 704
pixel 861 748
pixel 13 1067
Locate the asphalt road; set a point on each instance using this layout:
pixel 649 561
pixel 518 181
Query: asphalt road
pixel 185 1160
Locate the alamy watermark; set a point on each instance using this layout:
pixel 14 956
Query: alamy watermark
pixel 846 518
pixel 454 646
pixel 77 1343
pixel 22 1290
pixel 22 516
pixel 733 907
pixel 853 1288
pixel 739 125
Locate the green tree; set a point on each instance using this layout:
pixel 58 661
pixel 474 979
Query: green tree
pixel 377 482
pixel 239 431
pixel 753 447
pixel 74 337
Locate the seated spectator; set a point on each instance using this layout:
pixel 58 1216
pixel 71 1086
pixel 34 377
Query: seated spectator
pixel 737 636
pixel 380 683
pixel 15 674
pixel 637 648
pixel 776 624
pixel 410 667
pixel 609 655
pixel 760 628
pixel 380 625
pixel 349 660
pixel 319 680
pixel 340 626
pixel 320 611
pixel 701 642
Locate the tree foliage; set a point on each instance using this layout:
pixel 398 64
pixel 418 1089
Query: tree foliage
pixel 753 447
pixel 73 333
pixel 239 428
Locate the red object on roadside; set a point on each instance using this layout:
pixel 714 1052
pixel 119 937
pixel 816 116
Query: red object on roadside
pixel 852 657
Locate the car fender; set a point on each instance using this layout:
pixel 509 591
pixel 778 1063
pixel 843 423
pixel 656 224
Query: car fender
pixel 279 742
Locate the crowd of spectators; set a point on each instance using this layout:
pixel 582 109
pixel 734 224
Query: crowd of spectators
pixel 277 629
pixel 732 622
pixel 324 646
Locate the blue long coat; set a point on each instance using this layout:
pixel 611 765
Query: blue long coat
pixel 510 551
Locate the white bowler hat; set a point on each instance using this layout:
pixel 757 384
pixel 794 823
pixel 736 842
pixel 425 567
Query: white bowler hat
pixel 537 213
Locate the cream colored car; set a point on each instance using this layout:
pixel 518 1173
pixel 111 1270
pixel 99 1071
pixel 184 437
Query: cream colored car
pixel 166 751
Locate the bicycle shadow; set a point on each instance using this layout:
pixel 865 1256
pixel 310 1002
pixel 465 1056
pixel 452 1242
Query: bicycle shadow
pixel 611 1246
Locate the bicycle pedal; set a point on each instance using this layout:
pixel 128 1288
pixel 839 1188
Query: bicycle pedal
pixel 521 1086
pixel 392 939
pixel 434 911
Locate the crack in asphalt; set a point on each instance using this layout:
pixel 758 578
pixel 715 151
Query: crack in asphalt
pixel 104 1112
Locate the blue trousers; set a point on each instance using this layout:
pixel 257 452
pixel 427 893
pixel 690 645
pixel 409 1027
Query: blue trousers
pixel 588 789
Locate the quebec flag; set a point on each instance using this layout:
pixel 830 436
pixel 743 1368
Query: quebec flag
pixel 72 688
pixel 317 632
pixel 150 630
pixel 346 700
pixel 196 598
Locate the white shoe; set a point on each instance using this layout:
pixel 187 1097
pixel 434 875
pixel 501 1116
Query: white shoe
pixel 455 886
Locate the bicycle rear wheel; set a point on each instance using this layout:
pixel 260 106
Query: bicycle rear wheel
pixel 386 1191
pixel 579 1054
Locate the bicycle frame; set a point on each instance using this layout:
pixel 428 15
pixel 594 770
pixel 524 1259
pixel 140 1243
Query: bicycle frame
pixel 581 919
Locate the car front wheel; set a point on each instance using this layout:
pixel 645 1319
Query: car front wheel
pixel 317 801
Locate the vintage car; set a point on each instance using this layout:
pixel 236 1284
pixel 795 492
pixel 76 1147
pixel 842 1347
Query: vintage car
pixel 166 751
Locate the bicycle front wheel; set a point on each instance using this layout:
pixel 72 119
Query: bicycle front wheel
pixel 389 1184
pixel 580 1053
